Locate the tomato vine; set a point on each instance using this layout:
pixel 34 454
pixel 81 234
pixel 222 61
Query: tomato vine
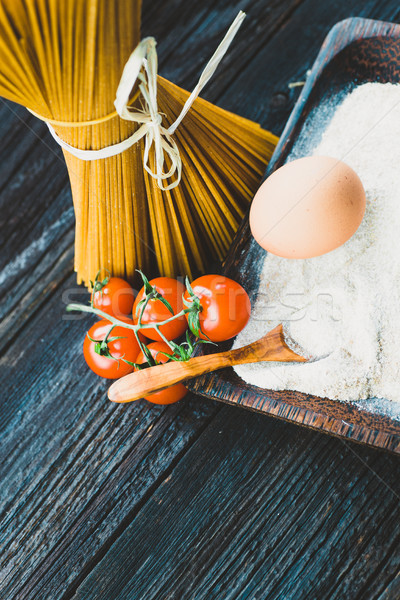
pixel 179 351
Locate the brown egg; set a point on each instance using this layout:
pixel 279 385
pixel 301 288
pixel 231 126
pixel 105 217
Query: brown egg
pixel 307 207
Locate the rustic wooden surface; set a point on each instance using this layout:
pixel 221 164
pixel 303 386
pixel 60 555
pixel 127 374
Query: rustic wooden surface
pixel 197 500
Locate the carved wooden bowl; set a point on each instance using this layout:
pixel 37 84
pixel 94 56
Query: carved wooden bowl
pixel 354 52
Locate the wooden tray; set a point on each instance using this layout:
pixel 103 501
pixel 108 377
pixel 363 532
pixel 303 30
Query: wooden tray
pixel 355 51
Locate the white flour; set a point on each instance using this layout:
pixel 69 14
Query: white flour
pixel 344 306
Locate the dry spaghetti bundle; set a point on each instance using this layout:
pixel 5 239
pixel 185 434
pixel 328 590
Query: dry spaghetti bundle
pixel 63 60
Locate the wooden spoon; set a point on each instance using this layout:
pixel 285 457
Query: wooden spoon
pixel 271 347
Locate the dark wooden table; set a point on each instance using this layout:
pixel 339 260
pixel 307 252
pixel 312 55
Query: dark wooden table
pixel 197 500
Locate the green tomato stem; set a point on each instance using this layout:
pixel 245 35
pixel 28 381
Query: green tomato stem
pixel 139 341
pixel 115 321
pixel 160 333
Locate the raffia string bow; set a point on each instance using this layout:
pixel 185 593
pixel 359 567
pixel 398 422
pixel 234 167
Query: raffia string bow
pixel 143 65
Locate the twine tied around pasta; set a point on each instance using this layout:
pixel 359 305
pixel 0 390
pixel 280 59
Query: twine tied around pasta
pixel 142 66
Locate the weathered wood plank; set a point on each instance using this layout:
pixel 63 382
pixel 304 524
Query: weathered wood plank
pixel 78 473
pixel 37 382
pixel 261 91
pixel 63 461
pixel 260 509
pixel 74 465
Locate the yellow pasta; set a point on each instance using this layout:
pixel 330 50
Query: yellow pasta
pixel 63 60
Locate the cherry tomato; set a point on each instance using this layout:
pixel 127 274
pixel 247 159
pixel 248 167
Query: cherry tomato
pixel 114 298
pixel 225 306
pixel 126 347
pixel 155 311
pixel 169 395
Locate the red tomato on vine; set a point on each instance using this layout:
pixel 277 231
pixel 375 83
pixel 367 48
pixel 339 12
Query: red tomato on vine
pixel 224 307
pixel 116 347
pixel 113 296
pixel 156 311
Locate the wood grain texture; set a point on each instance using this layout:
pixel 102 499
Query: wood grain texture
pixel 195 500
pixel 355 50
pixel 243 515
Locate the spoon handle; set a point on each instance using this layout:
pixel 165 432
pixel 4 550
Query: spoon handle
pixel 142 383
pixel 271 347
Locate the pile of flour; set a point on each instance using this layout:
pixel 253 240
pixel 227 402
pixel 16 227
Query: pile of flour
pixel 344 307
